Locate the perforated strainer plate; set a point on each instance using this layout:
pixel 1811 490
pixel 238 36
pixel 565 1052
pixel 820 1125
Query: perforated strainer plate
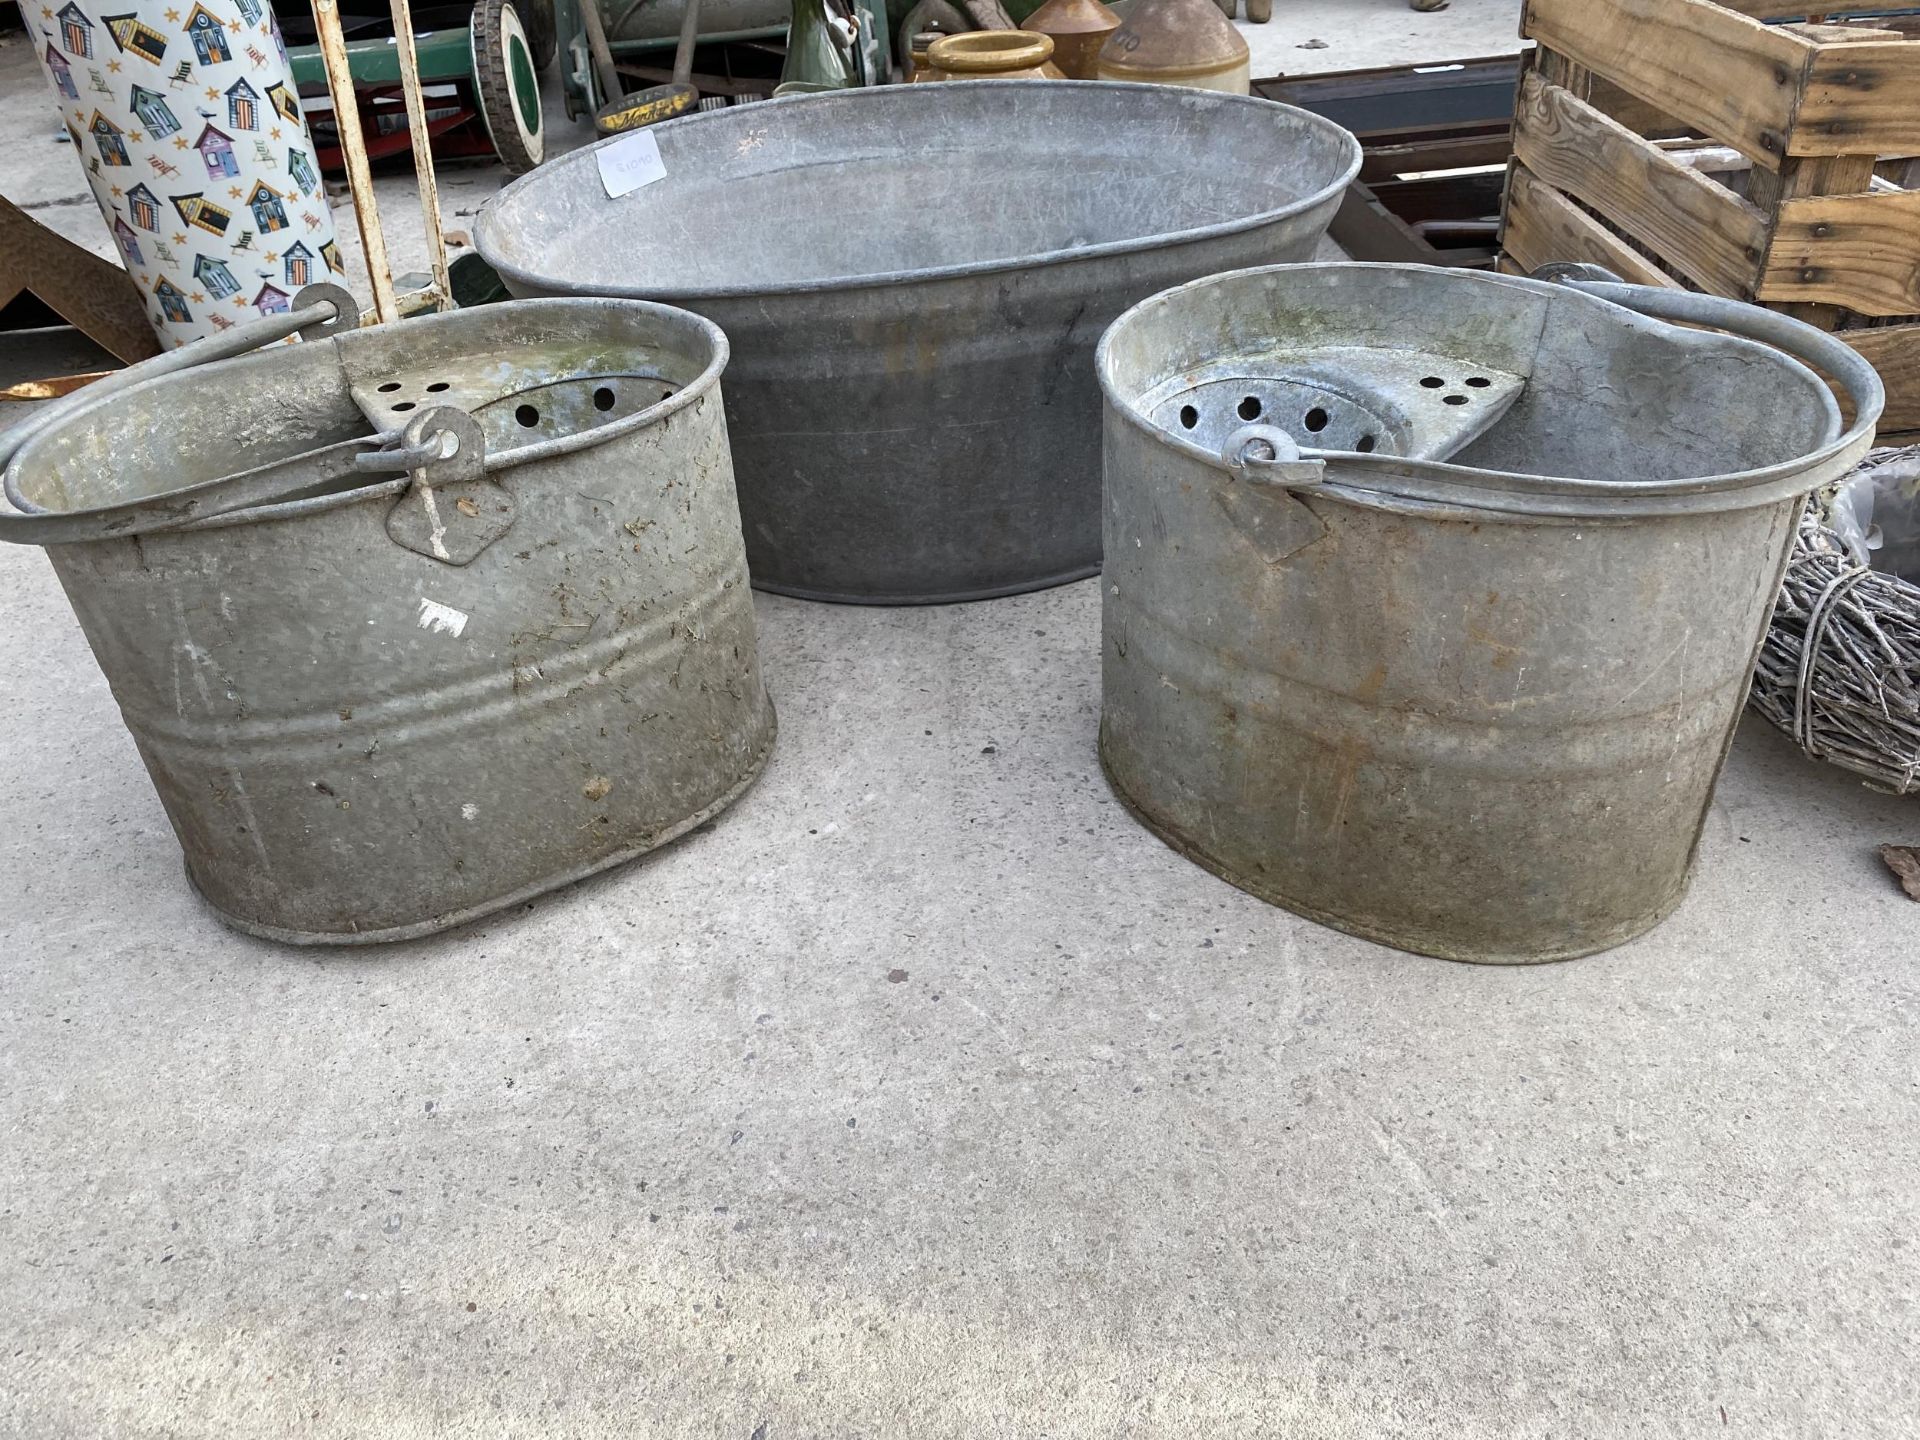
pixel 531 410
pixel 1394 402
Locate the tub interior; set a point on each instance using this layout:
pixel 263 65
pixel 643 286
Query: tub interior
pixel 527 373
pixel 1467 368
pixel 908 178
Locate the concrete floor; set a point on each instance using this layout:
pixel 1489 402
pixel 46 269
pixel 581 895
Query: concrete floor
pixel 924 1093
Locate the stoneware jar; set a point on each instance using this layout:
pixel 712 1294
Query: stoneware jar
pixel 993 55
pixel 1178 42
pixel 1078 29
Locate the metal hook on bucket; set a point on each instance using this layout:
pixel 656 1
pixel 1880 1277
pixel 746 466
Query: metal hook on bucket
pixel 1268 455
pixel 319 311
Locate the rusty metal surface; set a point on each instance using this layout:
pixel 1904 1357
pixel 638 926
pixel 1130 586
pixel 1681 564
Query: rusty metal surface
pixel 386 702
pixel 95 296
pixel 913 279
pixel 1470 704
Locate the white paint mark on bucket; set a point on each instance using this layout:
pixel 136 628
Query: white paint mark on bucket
pixel 469 811
pixel 441 619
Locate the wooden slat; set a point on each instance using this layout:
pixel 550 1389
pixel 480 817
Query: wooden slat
pixel 1893 350
pixel 1633 112
pixel 1860 100
pixel 1698 226
pixel 1368 230
pixel 1860 251
pixel 1841 34
pixel 1797 9
pixel 1387 161
pixel 1543 225
pixel 1734 78
pixel 1804 176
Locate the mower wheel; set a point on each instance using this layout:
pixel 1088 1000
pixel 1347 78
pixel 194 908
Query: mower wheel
pixel 508 83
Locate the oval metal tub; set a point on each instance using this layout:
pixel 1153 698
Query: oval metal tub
pixel 913 279
pixel 1431 597
pixel 414 622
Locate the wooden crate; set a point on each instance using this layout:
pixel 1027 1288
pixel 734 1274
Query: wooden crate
pixel 1685 142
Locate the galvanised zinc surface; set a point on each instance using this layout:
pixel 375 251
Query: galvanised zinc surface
pixel 355 740
pixel 1474 709
pixel 913 279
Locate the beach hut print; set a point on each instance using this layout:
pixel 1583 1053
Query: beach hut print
pixel 135 37
pixel 268 213
pixel 111 139
pixel 284 102
pixel 330 253
pixel 62 73
pixel 128 241
pixel 154 112
pixel 243 105
pixel 144 207
pixel 300 169
pixel 250 11
pixel 212 273
pixel 201 212
pixel 173 304
pixel 216 150
pixel 272 300
pixel 209 36
pixel 76 30
pixel 297 265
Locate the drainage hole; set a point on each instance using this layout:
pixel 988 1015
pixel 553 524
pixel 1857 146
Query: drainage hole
pixel 1455 400
pixel 1432 382
pixel 1364 444
pixel 1315 419
pixel 437 386
pixel 1250 408
pixel 404 405
pixel 1189 417
pixel 603 398
pixel 1478 382
pixel 527 416
pixel 389 387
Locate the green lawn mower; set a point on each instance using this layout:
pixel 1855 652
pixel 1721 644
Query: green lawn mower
pixel 480 65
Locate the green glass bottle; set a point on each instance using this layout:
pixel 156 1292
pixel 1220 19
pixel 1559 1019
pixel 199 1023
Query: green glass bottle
pixel 820 53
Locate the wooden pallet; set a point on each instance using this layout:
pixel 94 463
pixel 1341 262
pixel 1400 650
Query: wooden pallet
pixel 1685 142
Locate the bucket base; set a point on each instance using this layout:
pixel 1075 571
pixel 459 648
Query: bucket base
pixel 1412 942
pixel 456 918
pixel 954 597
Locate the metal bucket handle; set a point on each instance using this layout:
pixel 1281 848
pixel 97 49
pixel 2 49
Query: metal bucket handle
pixel 1802 341
pixel 319 311
pixel 1263 455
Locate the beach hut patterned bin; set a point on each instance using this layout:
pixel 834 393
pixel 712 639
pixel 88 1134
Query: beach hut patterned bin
pixel 186 121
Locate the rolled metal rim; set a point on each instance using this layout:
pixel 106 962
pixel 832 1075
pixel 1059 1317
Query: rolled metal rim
pixel 890 94
pixel 686 320
pixel 1388 481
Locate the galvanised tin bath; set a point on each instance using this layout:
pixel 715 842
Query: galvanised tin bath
pixel 1431 597
pixel 913 278
pixel 413 622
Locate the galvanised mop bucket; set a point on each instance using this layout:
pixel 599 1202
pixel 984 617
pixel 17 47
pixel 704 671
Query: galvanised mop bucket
pixel 413 622
pixel 913 278
pixel 1431 596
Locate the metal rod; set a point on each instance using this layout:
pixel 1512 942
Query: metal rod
pixel 353 152
pixel 422 152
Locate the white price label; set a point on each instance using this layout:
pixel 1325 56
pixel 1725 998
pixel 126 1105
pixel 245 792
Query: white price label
pixel 629 163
